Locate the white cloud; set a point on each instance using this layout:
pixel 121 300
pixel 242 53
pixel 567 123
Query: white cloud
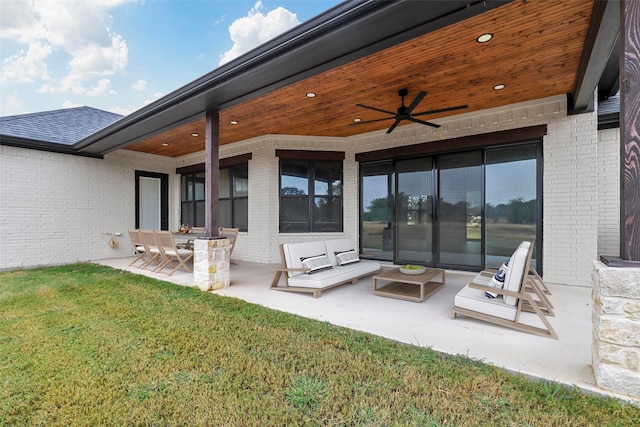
pixel 26 66
pixel 155 97
pixel 125 111
pixel 254 29
pixel 102 88
pixel 70 104
pixel 79 29
pixel 139 85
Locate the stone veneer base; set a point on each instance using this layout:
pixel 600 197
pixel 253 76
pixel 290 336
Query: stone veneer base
pixel 211 260
pixel 616 328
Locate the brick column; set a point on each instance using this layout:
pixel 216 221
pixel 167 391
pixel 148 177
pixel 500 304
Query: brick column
pixel 616 329
pixel 211 260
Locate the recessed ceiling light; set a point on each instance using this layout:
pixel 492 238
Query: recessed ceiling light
pixel 357 120
pixel 234 122
pixel 164 144
pixel 195 134
pixel 311 95
pixel 484 38
pixel 499 86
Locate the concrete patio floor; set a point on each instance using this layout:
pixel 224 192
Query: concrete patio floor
pixel 429 323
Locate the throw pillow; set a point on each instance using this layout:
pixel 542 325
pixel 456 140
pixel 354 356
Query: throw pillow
pixel 497 281
pixel 316 263
pixel 347 257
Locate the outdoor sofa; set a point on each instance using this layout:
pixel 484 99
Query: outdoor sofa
pixel 314 267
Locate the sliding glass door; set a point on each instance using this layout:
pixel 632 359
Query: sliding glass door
pixel 459 209
pixel 414 210
pixel 464 210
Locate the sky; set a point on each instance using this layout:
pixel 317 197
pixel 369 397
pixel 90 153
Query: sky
pixel 120 55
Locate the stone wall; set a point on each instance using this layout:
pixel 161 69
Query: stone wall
pixel 616 329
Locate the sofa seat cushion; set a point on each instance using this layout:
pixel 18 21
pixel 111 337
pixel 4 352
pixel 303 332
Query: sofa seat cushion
pixel 475 300
pixel 339 274
pixel 179 252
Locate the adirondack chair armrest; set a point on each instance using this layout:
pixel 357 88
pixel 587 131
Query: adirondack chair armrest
pixel 498 291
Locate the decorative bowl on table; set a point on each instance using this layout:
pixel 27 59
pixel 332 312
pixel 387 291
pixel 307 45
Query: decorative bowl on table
pixel 412 269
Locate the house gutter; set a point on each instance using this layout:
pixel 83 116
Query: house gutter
pixel 35 144
pixel 349 31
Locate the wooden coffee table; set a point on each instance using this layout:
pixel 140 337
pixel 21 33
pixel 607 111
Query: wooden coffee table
pixel 410 287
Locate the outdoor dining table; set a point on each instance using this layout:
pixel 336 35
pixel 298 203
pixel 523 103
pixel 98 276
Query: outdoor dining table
pixel 185 240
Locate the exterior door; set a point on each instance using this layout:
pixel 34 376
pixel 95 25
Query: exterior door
pixel 152 195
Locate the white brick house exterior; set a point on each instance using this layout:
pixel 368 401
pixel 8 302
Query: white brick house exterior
pixel 60 208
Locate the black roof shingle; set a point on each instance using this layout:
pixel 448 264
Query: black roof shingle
pixel 66 126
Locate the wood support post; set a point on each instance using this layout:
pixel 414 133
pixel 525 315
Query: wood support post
pixel 212 163
pixel 630 130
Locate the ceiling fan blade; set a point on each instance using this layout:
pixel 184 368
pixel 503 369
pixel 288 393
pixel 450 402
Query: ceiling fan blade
pixel 370 121
pixel 415 102
pixel 376 109
pixel 440 110
pixel 393 126
pixel 422 122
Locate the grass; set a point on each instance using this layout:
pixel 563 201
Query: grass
pixel 90 345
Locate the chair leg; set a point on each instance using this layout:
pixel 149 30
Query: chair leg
pixel 140 256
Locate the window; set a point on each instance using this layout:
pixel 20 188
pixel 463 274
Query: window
pixel 192 194
pixel 233 196
pixel 310 195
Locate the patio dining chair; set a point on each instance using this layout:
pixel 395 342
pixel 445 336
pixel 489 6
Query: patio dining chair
pixel 510 301
pixel 150 247
pixel 138 247
pixel 232 235
pixel 170 253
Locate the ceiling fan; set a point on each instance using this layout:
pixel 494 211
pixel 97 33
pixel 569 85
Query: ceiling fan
pixel 406 113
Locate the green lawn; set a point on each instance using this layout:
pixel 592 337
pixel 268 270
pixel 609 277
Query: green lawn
pixel 89 345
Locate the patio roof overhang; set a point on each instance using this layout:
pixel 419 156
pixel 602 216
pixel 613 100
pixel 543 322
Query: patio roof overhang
pixel 365 51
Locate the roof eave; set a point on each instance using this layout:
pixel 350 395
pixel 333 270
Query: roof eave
pixel 52 147
pixel 598 64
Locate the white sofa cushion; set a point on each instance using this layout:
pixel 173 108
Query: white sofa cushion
pixel 339 274
pixel 475 300
pixel 515 272
pixel 337 245
pixel 294 251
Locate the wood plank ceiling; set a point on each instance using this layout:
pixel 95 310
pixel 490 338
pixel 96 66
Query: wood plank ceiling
pixel 535 52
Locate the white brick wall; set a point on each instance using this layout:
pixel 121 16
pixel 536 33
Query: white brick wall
pixel 58 209
pixel 609 192
pixel 570 199
pixel 80 200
